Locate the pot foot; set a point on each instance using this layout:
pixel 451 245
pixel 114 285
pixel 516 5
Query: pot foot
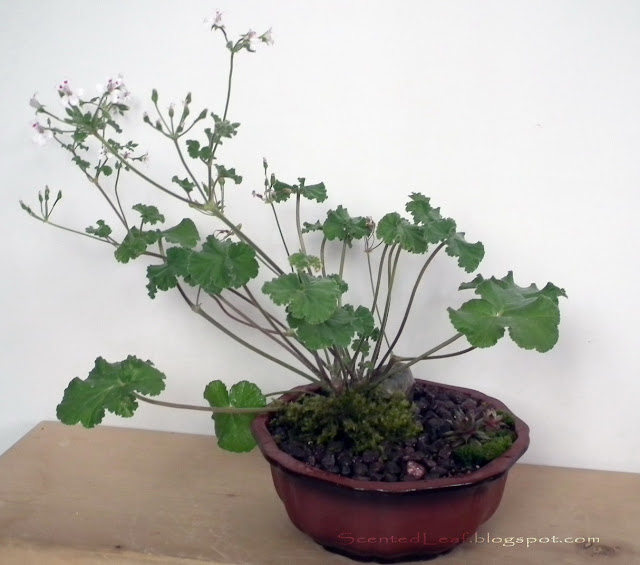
pixel 363 559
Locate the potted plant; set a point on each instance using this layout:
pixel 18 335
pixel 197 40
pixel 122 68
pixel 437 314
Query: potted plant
pixel 368 460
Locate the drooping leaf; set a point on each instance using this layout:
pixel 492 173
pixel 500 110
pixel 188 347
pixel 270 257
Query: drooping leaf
pixel 225 173
pixel 437 228
pixel 469 254
pixel 184 183
pixel 165 276
pixel 222 264
pixel 307 227
pixel 316 192
pixel 185 233
pixel 312 299
pixel 531 315
pixel 101 229
pixel 135 244
pixel 193 148
pixel 234 430
pixel 109 386
pixel 149 214
pixel 394 229
pixel 281 191
pixel 301 262
pixel 340 225
pixel 339 329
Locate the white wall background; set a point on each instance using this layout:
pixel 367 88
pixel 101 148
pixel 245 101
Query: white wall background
pixel 520 119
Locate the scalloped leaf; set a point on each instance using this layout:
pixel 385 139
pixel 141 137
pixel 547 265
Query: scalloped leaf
pixel 531 315
pixel 312 299
pixel 234 430
pixel 339 329
pixel 394 229
pixel 341 226
pixel 469 254
pixel 109 386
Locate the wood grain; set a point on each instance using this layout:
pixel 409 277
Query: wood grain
pixel 121 496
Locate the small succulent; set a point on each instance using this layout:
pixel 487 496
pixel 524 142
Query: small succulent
pixel 467 429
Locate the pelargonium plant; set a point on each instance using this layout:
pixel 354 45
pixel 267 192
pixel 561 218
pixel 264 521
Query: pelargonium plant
pixel 342 348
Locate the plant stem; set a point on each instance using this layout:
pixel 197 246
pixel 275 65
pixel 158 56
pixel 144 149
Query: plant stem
pixel 376 289
pixel 215 410
pixel 403 366
pixel 136 171
pixel 391 274
pixel 275 215
pixel 408 309
pixel 198 310
pixel 444 356
pixel 186 167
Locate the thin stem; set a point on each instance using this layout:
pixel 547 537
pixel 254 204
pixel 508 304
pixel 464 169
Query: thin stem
pixel 215 410
pixel 198 310
pixel 391 274
pixel 322 260
pixel 275 214
pixel 444 356
pixel 403 366
pixel 240 234
pixel 136 171
pixel 115 189
pixel 411 298
pixel 186 167
pixel 376 289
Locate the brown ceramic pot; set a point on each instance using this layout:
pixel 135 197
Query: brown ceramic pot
pixel 388 521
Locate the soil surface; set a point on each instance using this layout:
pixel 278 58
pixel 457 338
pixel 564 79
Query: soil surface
pixel 428 456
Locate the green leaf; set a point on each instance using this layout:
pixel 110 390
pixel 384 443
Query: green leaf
pixel 301 262
pixel 106 170
pixel 222 264
pixel 340 225
pixel 312 299
pixel 307 227
pixel 165 276
pixel 193 148
pixel 338 330
pixel 469 254
pixel 149 214
pixel 109 386
pixel 228 174
pixel 281 191
pixel 316 192
pixel 234 430
pixel 437 228
pixel 135 244
pixel 530 314
pixel 394 229
pixel 102 229
pixel 184 183
pixel 185 233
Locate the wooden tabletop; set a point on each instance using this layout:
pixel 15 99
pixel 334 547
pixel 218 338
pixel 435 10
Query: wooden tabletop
pixel 70 496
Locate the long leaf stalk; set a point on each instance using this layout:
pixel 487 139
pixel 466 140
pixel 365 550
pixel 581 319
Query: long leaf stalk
pixel 407 311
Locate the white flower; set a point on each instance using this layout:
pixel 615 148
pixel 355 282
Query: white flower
pixel 250 39
pixel 42 134
pixel 34 102
pixel 67 96
pixel 267 37
pixel 115 89
pixel 214 21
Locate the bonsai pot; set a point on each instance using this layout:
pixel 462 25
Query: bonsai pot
pixel 384 520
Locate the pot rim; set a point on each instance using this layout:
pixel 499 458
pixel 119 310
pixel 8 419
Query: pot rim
pixel 489 472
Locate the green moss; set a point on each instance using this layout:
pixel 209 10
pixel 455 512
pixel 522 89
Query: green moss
pixel 361 419
pixel 474 454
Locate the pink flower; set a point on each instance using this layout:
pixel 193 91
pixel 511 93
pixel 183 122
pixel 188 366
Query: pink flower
pixel 115 89
pixel 67 96
pixel 214 22
pixel 42 134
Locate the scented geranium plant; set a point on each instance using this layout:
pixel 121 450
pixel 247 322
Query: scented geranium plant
pixel 295 298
